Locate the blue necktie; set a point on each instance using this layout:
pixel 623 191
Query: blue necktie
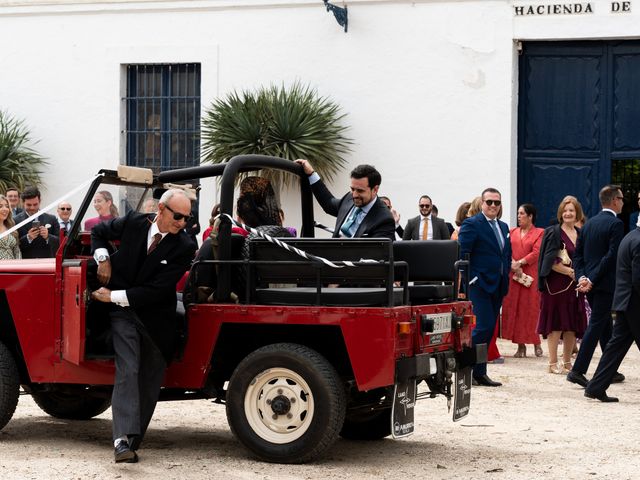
pixel 346 226
pixel 494 225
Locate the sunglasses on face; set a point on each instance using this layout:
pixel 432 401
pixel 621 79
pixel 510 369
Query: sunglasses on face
pixel 65 209
pixel 493 202
pixel 424 206
pixel 178 216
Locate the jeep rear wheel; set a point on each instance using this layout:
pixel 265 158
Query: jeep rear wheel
pixel 286 403
pixel 72 402
pixel 9 385
pixel 367 426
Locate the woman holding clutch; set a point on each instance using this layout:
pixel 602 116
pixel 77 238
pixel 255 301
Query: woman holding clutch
pixel 521 306
pixel 562 308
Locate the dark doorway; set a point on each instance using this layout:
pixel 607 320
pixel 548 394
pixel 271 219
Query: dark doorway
pixel 579 111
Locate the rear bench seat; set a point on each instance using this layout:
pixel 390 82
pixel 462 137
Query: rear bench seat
pixel 431 268
pixel 280 277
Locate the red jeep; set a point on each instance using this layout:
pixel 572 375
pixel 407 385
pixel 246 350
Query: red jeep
pixel 296 362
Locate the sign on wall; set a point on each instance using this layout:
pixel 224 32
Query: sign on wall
pixel 569 8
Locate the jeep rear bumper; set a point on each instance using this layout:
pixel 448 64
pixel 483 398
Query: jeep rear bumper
pixel 425 364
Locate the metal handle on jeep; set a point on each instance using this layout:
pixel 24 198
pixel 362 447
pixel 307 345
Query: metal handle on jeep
pixel 461 266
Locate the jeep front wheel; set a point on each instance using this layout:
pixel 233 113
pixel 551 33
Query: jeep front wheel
pixel 9 385
pixel 285 403
pixel 73 402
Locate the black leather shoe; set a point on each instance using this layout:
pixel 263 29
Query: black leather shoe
pixel 617 378
pixel 575 377
pixel 124 454
pixel 485 381
pixel 603 397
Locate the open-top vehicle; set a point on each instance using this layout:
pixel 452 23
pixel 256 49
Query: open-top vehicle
pixel 300 349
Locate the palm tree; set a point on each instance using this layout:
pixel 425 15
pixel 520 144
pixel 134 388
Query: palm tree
pixel 283 122
pixel 20 164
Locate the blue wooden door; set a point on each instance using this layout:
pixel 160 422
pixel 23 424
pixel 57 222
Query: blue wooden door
pixel 579 111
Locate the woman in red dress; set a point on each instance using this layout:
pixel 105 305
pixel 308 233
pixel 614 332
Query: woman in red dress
pixel 520 308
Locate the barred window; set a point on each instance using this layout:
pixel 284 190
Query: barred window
pixel 163 116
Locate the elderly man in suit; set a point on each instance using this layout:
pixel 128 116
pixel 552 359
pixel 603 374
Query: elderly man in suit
pixel 64 216
pixel 626 330
pixel 140 295
pixel 486 240
pixel 426 226
pixel 594 263
pixel 359 213
pixel 38 239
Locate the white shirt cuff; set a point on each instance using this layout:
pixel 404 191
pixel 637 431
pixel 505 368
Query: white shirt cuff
pixel 313 178
pixel 119 297
pixel 100 251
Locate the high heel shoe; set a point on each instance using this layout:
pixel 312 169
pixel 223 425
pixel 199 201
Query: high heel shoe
pixel 554 368
pixel 566 367
pixel 538 350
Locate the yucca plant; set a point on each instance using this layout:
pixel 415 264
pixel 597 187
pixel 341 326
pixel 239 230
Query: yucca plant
pixel 20 164
pixel 283 122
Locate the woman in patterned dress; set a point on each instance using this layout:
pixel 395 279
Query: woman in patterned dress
pixel 9 247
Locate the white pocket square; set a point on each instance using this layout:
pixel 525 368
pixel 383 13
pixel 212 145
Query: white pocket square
pixel 163 262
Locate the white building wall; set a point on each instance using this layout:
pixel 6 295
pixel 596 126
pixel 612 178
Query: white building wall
pixel 430 87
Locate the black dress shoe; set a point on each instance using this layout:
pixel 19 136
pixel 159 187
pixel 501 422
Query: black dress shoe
pixel 603 397
pixel 124 454
pixel 617 378
pixel 485 381
pixel 575 377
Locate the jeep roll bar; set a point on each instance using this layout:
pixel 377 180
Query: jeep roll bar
pixel 229 172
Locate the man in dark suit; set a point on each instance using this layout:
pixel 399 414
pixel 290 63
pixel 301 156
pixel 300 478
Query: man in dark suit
pixel 426 226
pixel 64 216
pixel 39 238
pixel 13 197
pixel 140 296
pixel 359 213
pixel 626 330
pixel 486 240
pixel 594 263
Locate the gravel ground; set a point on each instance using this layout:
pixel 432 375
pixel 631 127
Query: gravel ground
pixel 536 426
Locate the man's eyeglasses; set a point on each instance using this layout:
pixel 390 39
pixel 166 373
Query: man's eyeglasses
pixel 620 198
pixel 179 216
pixel 424 206
pixel 493 202
pixel 65 209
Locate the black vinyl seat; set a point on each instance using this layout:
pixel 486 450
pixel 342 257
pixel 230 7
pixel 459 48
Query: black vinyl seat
pixel 330 297
pixel 280 277
pixel 431 266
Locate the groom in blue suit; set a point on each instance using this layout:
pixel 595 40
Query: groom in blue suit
pixel 486 240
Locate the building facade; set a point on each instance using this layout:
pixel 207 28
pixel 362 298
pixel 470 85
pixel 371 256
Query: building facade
pixel 535 98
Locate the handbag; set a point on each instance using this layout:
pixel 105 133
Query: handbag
pixel 563 255
pixel 523 279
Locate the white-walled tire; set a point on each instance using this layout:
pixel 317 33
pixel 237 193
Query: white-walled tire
pixel 9 385
pixel 286 403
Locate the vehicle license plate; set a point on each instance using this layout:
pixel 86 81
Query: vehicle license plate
pixel 462 397
pixel 441 322
pixel 403 410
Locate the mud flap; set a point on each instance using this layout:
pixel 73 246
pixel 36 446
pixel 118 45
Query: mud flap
pixel 403 409
pixel 462 397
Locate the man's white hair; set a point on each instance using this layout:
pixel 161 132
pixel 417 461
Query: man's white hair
pixel 166 196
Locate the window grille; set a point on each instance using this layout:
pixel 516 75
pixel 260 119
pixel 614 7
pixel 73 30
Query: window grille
pixel 163 116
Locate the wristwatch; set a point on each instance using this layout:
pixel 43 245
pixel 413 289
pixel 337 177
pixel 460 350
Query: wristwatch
pixel 102 258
